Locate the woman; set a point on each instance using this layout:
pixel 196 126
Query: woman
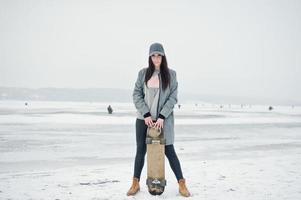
pixel 154 96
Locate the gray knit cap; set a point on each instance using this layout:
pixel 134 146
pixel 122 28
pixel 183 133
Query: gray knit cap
pixel 156 48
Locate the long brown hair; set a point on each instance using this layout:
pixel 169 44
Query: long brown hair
pixel 164 71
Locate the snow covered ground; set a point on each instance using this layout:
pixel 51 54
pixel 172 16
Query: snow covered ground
pixel 75 150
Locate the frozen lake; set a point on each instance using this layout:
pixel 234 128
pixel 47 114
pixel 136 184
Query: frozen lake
pixel 75 150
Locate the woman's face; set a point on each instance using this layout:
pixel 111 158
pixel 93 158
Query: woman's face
pixel 157 59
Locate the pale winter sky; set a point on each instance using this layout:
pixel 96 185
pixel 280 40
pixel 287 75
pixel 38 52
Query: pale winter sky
pixel 235 48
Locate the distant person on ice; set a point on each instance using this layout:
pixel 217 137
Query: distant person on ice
pixel 152 110
pixel 110 109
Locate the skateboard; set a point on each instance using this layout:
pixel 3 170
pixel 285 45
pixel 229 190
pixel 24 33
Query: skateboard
pixel 155 145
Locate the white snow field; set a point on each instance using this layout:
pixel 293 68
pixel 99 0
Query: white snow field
pixel 75 150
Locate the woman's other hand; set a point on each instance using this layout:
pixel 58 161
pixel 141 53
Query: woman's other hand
pixel 159 123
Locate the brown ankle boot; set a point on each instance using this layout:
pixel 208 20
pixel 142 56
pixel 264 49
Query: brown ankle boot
pixel 183 189
pixel 134 188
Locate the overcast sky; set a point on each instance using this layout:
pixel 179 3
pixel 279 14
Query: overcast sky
pixel 235 48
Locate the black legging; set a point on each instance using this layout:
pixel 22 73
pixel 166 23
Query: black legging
pixel 170 153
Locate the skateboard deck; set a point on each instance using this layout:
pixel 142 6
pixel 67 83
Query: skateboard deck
pixel 155 144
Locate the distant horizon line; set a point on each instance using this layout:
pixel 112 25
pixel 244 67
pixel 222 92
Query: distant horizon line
pixel 188 96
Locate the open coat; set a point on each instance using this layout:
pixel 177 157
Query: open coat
pixel 167 100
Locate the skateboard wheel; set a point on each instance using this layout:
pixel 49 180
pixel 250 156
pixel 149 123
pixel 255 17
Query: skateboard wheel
pixel 162 141
pixel 148 140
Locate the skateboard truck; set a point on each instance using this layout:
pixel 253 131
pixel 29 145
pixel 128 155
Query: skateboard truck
pixel 155 182
pixel 155 141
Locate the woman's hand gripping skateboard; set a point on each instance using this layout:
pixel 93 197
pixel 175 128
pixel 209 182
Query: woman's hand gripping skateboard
pixel 157 124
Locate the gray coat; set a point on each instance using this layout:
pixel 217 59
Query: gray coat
pixel 167 100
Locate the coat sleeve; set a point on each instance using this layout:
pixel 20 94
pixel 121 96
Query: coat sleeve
pixel 172 98
pixel 138 96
